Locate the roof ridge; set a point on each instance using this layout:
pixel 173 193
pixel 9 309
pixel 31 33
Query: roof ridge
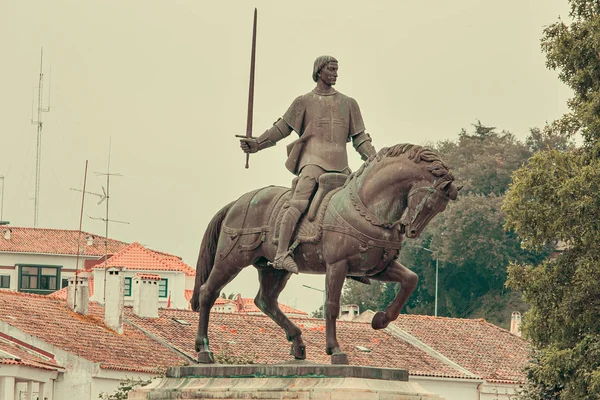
pixel 58 230
pixel 400 333
pixel 25 294
pixel 503 330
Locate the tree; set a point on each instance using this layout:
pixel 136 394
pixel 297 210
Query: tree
pixel 555 197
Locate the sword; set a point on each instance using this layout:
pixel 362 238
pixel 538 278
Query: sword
pixel 251 88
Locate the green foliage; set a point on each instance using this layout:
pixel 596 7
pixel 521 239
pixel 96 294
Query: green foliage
pixel 318 313
pixel 368 297
pixel 555 197
pixel 574 50
pixel 124 388
pixel 485 160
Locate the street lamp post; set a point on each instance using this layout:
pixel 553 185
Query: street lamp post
pixel 436 278
pixel 324 296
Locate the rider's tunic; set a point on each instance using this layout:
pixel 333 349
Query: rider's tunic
pixel 325 123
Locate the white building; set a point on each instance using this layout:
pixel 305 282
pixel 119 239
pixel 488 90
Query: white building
pixel 35 260
pixel 177 278
pixel 48 348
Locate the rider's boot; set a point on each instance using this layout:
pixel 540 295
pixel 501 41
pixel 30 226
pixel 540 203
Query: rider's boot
pixel 283 258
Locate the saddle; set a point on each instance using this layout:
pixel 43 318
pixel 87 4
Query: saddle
pixel 310 226
pixel 247 229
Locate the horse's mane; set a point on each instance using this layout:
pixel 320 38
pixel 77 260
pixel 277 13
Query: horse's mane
pixel 415 153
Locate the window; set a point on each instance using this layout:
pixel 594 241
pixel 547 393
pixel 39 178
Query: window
pixel 127 286
pixel 64 283
pixel 5 281
pixel 39 278
pixel 163 286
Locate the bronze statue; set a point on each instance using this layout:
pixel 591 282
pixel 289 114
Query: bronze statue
pixel 325 120
pixel 354 226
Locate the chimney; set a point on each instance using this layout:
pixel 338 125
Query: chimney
pixel 90 240
pixel 145 295
pixel 515 323
pixel 78 294
pixel 113 304
pixel 348 312
pixel 7 234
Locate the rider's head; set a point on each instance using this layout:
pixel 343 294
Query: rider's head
pixel 321 62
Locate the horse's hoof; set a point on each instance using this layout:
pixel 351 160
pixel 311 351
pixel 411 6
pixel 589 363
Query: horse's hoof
pixel 379 320
pixel 298 351
pixel 339 358
pixel 206 357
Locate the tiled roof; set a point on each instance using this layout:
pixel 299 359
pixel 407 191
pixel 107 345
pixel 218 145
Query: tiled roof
pixel 62 293
pixel 483 349
pixel 54 241
pixel 137 257
pixel 246 305
pixel 150 277
pixel 85 335
pixel 259 339
pixel 13 354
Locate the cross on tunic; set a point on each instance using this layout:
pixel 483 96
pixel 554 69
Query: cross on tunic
pixel 329 124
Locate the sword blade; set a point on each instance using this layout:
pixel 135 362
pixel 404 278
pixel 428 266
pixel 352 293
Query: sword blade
pixel 251 87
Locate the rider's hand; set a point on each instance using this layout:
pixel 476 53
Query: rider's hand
pixel 249 145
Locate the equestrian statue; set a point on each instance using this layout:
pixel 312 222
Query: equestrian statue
pixel 330 222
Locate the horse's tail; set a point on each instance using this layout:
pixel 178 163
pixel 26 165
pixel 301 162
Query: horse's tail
pixel 208 250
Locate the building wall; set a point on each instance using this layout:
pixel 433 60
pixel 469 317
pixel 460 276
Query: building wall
pixel 500 391
pixel 466 389
pixel 449 389
pixel 176 286
pixel 68 264
pixel 107 381
pixel 82 379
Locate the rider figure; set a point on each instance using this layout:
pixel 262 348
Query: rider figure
pixel 325 120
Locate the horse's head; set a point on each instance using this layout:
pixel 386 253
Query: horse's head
pixel 426 200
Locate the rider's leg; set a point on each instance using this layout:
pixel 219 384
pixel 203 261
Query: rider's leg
pixel 298 204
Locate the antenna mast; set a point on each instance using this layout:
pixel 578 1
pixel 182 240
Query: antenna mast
pixel 106 196
pixel 39 123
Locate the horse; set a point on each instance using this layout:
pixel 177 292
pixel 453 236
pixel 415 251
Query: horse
pixel 355 231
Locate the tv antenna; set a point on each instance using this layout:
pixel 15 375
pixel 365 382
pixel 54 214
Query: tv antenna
pixel 38 158
pixel 106 196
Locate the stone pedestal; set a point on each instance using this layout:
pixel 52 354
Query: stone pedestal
pixel 286 381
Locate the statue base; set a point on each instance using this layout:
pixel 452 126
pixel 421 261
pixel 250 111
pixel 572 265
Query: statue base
pixel 298 380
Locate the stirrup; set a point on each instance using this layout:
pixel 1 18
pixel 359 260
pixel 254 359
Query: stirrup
pixel 285 262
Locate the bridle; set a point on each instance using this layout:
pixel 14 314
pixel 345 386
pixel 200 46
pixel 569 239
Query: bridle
pixel 430 191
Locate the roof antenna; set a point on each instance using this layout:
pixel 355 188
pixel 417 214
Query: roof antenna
pixel 106 196
pixel 83 192
pixel 38 159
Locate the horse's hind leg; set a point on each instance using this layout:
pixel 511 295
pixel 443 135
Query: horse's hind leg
pixel 272 282
pixel 221 274
pixel 395 272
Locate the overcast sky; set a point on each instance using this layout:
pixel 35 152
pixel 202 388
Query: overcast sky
pixel 167 82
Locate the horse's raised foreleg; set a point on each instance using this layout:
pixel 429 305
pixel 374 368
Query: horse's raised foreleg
pixel 334 281
pixel 221 274
pixel 395 272
pixel 272 282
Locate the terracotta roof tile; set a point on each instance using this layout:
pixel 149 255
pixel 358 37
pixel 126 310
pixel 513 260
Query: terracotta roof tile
pixel 480 347
pixel 54 241
pixel 12 353
pixel 150 277
pixel 137 257
pixel 62 293
pixel 51 321
pixel 258 338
